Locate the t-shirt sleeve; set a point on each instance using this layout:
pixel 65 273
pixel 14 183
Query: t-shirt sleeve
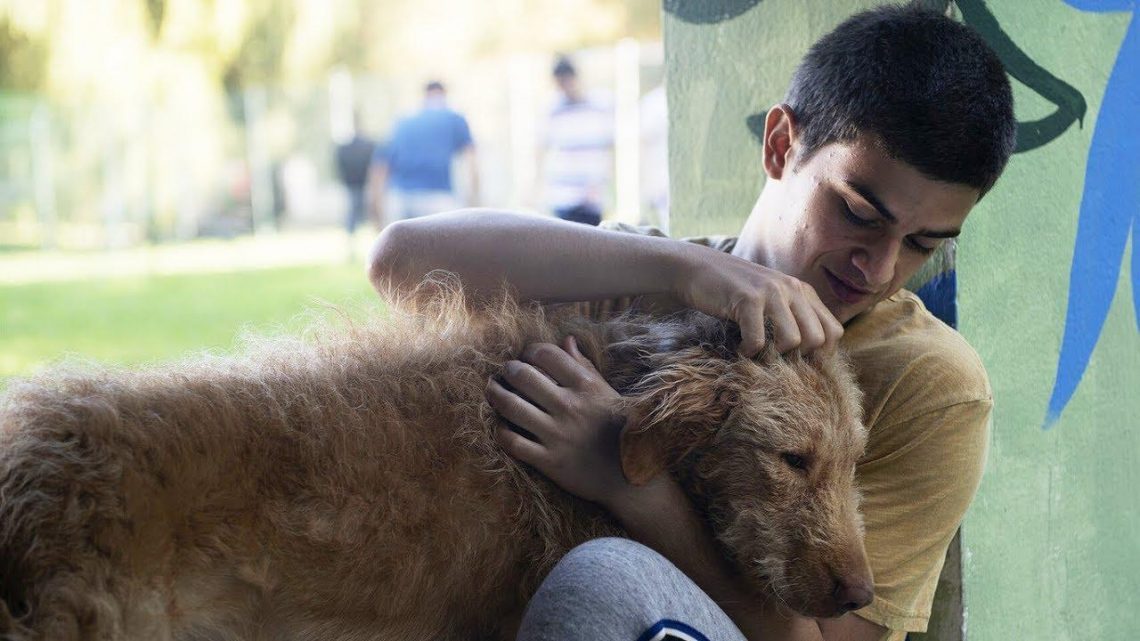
pixel 913 502
pixel 462 133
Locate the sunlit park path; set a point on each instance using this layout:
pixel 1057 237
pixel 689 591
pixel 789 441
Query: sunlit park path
pixel 157 303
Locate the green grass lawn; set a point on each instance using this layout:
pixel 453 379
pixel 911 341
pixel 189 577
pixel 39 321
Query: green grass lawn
pixel 155 318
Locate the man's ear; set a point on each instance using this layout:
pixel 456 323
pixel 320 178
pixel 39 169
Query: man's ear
pixel 676 409
pixel 780 130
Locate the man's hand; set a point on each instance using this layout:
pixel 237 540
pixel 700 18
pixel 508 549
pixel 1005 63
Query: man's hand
pixel 562 400
pixel 751 295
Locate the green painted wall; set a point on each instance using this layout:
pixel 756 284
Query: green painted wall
pixel 1052 545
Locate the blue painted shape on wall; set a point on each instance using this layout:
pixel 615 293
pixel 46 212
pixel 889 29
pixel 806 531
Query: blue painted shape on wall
pixel 940 295
pixel 1110 209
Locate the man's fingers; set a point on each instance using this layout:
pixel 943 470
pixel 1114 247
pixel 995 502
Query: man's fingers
pixel 558 363
pixel 586 366
pixel 785 329
pixel 753 336
pixel 518 410
pixel 833 331
pixel 570 344
pixel 533 384
pixel 812 334
pixel 832 328
pixel 521 447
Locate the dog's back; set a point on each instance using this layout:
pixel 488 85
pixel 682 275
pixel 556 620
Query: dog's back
pixel 246 496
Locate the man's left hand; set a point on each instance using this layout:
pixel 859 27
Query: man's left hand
pixel 558 396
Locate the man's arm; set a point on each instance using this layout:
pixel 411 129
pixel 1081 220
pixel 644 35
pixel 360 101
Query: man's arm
pixel 554 261
pixel 541 258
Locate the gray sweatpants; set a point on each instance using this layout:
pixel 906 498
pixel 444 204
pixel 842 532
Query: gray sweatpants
pixel 620 590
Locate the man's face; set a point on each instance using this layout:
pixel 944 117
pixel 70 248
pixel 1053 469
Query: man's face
pixel 567 84
pixel 853 223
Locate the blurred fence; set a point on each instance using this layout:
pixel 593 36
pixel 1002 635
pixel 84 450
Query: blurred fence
pixel 205 163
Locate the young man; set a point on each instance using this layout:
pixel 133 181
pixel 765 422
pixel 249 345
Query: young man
pixel 893 127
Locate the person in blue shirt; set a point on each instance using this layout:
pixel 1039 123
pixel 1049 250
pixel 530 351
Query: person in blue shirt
pixel 410 176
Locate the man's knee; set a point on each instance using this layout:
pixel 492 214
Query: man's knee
pixel 617 556
pixel 607 572
pixel 618 589
pixel 595 591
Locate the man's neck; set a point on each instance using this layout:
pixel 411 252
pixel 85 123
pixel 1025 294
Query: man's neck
pixel 748 244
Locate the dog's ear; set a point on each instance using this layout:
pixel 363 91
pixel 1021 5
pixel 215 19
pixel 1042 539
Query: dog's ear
pixel 675 409
pixel 636 347
pixel 642 456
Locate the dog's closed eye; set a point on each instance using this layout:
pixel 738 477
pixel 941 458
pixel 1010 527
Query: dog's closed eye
pixel 797 461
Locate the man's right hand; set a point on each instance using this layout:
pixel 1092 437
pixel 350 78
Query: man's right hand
pixel 751 295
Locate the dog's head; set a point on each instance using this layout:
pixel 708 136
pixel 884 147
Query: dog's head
pixel 767 448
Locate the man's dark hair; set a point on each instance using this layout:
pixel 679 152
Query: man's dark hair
pixel 929 89
pixel 563 67
pixel 434 85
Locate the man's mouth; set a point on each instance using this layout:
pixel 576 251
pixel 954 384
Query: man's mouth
pixel 844 291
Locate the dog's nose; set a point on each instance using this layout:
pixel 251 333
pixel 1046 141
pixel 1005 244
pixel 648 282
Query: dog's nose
pixel 852 594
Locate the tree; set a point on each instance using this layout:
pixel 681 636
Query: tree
pixel 23 59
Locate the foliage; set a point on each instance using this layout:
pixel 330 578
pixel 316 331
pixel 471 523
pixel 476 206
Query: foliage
pixel 23 59
pixel 274 42
pixel 155 12
pixel 258 60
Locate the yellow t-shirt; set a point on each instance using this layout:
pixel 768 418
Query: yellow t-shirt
pixel 927 403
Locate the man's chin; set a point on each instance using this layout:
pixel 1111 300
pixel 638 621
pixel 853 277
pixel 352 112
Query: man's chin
pixel 842 312
pixel 846 313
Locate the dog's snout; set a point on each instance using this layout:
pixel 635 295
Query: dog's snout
pixel 852 593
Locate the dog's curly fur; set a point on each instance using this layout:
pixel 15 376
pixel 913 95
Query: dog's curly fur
pixel 348 486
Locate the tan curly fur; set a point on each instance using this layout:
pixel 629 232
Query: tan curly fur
pixel 347 486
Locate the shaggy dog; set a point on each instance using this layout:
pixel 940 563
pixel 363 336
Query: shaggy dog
pixel 350 487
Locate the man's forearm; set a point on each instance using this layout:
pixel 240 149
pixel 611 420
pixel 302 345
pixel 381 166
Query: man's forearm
pixel 541 258
pixel 660 516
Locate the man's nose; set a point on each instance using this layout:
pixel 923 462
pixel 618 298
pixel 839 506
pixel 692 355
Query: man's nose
pixel 877 262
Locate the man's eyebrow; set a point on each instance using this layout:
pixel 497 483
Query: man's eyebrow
pixel 871 198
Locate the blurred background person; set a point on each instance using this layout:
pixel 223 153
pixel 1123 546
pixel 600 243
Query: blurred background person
pixel 577 153
pixel 410 176
pixel 352 162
